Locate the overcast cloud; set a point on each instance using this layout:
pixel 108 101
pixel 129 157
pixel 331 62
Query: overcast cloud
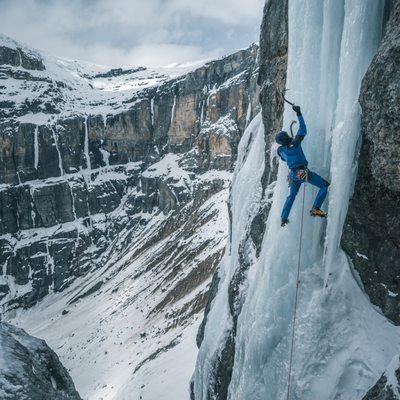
pixel 132 32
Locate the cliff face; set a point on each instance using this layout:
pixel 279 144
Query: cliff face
pixel 371 234
pixel 75 146
pixel 30 370
pixel 113 212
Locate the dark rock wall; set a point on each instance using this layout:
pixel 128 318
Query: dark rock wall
pixel 30 369
pixel 20 58
pixel 57 200
pixel 371 234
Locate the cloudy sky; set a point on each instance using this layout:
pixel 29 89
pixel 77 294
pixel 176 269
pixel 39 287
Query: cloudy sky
pixel 132 32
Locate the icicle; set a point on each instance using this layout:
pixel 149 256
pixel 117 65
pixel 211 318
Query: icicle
pixel 248 115
pixel 58 152
pixel 173 110
pixel 33 214
pixel 36 147
pixel 86 145
pixel 73 200
pixel 202 113
pixel 50 267
pixel 152 111
pixel 19 178
pixel 106 156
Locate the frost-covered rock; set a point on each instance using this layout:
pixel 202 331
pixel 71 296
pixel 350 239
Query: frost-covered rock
pixel 372 232
pixel 30 370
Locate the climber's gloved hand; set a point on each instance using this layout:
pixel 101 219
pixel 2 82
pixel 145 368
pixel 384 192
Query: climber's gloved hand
pixel 297 110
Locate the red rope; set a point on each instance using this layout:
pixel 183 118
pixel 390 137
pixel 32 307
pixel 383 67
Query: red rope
pixel 296 298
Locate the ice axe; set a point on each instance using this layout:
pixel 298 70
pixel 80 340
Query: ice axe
pixel 291 128
pixel 283 94
pixel 285 99
pixel 292 104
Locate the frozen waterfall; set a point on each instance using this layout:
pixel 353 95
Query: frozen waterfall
pixel 342 342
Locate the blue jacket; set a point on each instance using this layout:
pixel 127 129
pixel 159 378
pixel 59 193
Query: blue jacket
pixel 293 153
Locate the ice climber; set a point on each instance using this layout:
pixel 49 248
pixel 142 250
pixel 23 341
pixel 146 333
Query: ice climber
pixel 291 152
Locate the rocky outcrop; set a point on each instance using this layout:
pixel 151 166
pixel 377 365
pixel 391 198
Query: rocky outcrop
pixel 70 181
pixel 13 54
pixel 30 370
pixel 273 65
pixel 371 234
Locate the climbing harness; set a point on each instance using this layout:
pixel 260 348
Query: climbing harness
pixel 302 174
pixel 292 347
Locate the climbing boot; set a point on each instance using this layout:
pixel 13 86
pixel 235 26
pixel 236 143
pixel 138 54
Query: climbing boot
pixel 284 222
pixel 316 212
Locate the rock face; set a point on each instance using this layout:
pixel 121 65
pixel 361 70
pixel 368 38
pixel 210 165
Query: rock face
pixel 12 54
pixel 30 370
pixel 371 234
pixel 77 150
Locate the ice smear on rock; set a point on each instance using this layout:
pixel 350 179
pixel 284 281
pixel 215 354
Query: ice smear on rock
pixel 245 204
pixel 342 343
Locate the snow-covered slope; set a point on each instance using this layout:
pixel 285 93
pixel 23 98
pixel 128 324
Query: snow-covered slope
pixel 343 343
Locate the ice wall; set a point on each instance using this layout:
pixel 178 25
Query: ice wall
pixel 342 342
pixel 245 199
